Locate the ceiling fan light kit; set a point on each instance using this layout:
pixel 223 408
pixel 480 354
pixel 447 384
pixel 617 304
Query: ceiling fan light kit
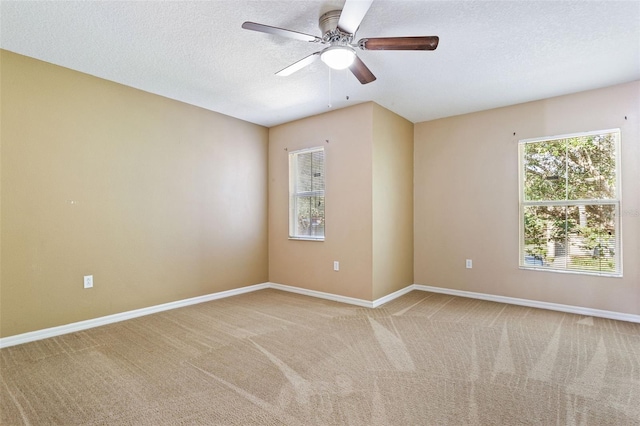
pixel 338 31
pixel 338 57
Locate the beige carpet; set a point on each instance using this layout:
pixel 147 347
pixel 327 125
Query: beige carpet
pixel 273 358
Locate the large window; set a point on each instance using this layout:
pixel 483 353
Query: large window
pixel 570 203
pixel 306 194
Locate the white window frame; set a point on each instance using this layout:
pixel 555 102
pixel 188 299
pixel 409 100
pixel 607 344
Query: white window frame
pixel 616 202
pixel 294 194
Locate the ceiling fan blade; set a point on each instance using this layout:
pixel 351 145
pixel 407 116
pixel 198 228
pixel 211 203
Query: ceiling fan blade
pixel 362 73
pixel 352 14
pixel 296 66
pixel 280 31
pixel 399 43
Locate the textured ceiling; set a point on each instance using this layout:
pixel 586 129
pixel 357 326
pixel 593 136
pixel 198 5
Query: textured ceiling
pixel 491 53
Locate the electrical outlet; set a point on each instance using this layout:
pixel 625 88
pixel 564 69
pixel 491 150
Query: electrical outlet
pixel 88 281
pixel 336 265
pixel 469 264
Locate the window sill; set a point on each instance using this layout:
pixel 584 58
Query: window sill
pixel 306 238
pixel 564 271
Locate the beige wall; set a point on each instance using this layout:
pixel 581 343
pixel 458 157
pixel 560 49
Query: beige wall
pixel 159 200
pixel 392 202
pixel 369 203
pixel 348 209
pixel 466 199
pixel 162 201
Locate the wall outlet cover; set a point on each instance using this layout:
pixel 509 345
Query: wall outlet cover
pixel 88 281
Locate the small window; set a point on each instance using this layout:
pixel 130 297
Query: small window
pixel 306 194
pixel 570 203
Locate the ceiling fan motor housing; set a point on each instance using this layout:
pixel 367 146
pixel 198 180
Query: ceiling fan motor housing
pixel 330 32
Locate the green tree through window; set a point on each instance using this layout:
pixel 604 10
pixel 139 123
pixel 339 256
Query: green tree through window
pixel 570 203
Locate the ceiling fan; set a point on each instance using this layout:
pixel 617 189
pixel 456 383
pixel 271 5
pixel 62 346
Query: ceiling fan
pixel 338 32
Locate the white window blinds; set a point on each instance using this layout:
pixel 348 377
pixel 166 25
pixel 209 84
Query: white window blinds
pixel 306 194
pixel 570 203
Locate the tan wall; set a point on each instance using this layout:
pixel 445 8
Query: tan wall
pixel 466 199
pixel 392 202
pixel 157 199
pixel 348 210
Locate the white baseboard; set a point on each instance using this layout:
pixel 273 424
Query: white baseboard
pixel 343 299
pixel 532 303
pixel 122 316
pixel 389 297
pixel 323 295
pixel 110 319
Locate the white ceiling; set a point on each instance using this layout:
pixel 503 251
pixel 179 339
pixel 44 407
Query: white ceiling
pixel 491 53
